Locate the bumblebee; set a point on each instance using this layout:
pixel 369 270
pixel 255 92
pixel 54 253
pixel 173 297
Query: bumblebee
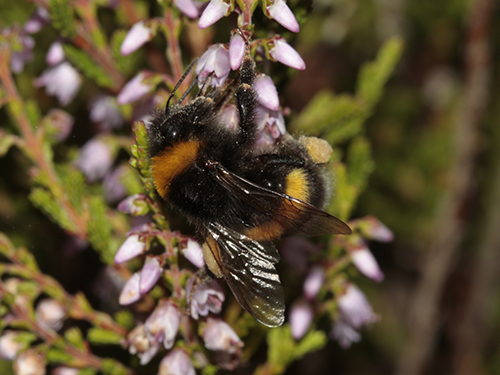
pixel 240 197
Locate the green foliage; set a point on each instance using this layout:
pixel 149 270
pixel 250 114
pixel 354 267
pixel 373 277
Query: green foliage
pixel 63 18
pixel 88 66
pixel 99 229
pixel 6 142
pixel 74 337
pixel 113 367
pixel 99 336
pixel 44 200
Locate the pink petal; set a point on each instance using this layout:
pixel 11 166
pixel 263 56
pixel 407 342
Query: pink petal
pixel 236 51
pixel 135 38
pixel 267 95
pixel 283 15
pixel 130 292
pixel 215 10
pixel 285 54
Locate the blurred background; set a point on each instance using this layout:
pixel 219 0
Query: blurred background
pixel 435 137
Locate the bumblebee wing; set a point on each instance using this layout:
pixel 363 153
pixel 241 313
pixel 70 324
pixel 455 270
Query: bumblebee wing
pixel 313 221
pixel 248 268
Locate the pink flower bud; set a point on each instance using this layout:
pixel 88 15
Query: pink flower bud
pixel 283 15
pixel 163 323
pixel 65 371
pixel 271 125
pixel 138 35
pixel 365 262
pixel 176 363
pixel 267 95
pixel 344 334
pixel 95 159
pixel 301 316
pixel 55 54
pixel 218 335
pixel 9 347
pixel 30 363
pixel 62 81
pixel 132 247
pixel 355 308
pixel 285 54
pixel 194 253
pixel 39 19
pixel 215 10
pixel 50 313
pixel 104 111
pixel 133 90
pixel 150 274
pixel 188 7
pixel 134 205
pixel 313 282
pixel 236 50
pixel 130 292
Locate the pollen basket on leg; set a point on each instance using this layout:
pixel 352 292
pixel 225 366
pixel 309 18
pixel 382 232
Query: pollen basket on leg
pixel 171 162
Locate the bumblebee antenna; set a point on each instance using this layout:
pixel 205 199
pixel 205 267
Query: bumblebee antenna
pixel 195 80
pixel 172 94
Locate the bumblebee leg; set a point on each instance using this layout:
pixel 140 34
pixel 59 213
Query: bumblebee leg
pixel 246 98
pixel 203 276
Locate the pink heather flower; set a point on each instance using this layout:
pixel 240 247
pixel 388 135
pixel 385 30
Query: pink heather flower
pixel 230 116
pixel 140 344
pixel 236 51
pixel 55 54
pixel 39 19
pixel 206 298
pixel 133 90
pixel 65 371
pixel 9 347
pixel 95 159
pixel 163 323
pixel 215 10
pixel 62 81
pixel 283 15
pixel 134 205
pixel 215 60
pixel 267 95
pixel 150 273
pixel 130 292
pixel 271 125
pixel 19 58
pixel 313 282
pixel 365 262
pixel 50 313
pixel 344 334
pixel 355 308
pixel 138 35
pixel 104 110
pixel 218 335
pixel 132 247
pixel 194 253
pixel 29 363
pixel 188 7
pixel 378 231
pixel 61 124
pixel 176 363
pixel 301 315
pixel 113 186
pixel 285 54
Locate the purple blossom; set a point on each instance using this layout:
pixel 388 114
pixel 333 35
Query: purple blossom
pixel 365 262
pixel 285 54
pixel 150 273
pixel 377 231
pixel 133 90
pixel 140 344
pixel 104 110
pixel 271 125
pixel 62 81
pixel 207 297
pixel 283 15
pixel 345 334
pixel 30 363
pixel 65 371
pixel 194 253
pixel 267 95
pixel 39 19
pixel 188 7
pixel 50 313
pixel 134 205
pixel 301 315
pixel 132 247
pixel 113 186
pixel 138 35
pixel 95 159
pixel 55 54
pixel 19 58
pixel 176 362
pixel 215 10
pixel 163 323
pixel 313 282
pixel 9 347
pixel 355 308
pixel 214 63
pixel 218 335
pixel 130 292
pixel 236 50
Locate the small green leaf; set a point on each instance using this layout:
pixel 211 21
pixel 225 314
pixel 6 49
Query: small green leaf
pixel 55 355
pixel 99 229
pixel 62 17
pixel 75 337
pixel 99 336
pixel 359 162
pixel 44 200
pixel 125 318
pixel 113 367
pixel 6 142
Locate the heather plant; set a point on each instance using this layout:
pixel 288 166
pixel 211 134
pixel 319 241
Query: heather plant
pixel 110 65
